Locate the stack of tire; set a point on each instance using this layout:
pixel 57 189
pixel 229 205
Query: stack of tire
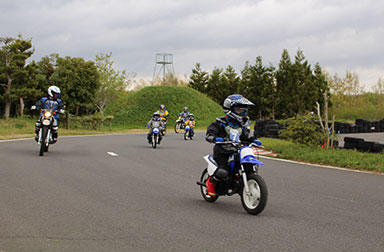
pixel 267 128
pixel 259 128
pixel 272 129
pixel 361 145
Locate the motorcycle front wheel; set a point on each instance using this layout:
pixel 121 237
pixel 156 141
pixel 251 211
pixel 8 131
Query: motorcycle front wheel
pixel 186 135
pixel 177 127
pixel 154 141
pixel 203 189
pixel 43 143
pixel 255 202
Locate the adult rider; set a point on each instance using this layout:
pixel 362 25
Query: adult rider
pixel 52 101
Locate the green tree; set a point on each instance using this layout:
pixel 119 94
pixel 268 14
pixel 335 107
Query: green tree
pixel 78 80
pixel 13 54
pixel 28 86
pixel 199 79
pixel 112 82
pixel 286 89
pixel 257 84
pixel 214 85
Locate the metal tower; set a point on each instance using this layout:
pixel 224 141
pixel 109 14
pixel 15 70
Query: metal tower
pixel 164 65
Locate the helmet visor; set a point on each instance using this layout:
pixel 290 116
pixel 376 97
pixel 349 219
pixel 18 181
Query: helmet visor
pixel 242 111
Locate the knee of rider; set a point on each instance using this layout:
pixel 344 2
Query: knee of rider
pixel 221 172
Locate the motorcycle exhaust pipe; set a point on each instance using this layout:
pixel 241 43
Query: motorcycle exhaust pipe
pixel 200 184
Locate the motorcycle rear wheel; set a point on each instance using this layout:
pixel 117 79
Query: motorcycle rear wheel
pixel 203 189
pixel 257 200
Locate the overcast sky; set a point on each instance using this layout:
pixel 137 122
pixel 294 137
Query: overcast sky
pixel 340 35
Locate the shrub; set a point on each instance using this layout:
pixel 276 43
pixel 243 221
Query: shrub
pixel 303 130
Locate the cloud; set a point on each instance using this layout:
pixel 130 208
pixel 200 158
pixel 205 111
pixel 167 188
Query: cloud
pixel 336 33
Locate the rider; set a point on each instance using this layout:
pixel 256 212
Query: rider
pixel 163 114
pixel 155 118
pixel 184 115
pixel 53 96
pixel 191 122
pixel 236 108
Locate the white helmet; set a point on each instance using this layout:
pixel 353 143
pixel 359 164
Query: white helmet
pixel 54 92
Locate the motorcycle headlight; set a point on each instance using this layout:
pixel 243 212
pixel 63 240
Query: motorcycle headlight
pixel 47 114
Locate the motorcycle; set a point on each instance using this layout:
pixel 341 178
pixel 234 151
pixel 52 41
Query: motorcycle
pixel 163 130
pixel 46 123
pixel 179 124
pixel 243 178
pixel 155 134
pixel 188 132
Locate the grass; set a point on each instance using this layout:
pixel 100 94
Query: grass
pixel 335 157
pixel 135 109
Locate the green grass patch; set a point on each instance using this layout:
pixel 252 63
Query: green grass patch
pixel 335 157
pixel 134 110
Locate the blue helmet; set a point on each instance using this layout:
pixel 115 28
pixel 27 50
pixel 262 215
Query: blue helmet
pixel 236 107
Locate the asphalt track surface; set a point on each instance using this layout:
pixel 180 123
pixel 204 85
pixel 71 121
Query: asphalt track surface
pixel 79 198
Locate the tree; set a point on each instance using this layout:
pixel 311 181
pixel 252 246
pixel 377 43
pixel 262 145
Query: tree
pixel 78 80
pixel 13 54
pixel 199 79
pixel 257 84
pixel 28 86
pixel 286 89
pixel 379 88
pixel 112 82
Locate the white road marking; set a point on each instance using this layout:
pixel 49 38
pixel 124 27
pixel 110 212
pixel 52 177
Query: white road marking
pixel 112 154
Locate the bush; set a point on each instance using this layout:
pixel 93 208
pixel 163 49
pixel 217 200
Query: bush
pixel 303 130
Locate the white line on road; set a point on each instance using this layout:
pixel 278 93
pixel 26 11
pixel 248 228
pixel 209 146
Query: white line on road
pixel 112 154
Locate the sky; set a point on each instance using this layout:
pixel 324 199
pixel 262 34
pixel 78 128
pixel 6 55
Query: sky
pixel 339 35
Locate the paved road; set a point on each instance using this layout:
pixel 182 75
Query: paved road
pixel 79 198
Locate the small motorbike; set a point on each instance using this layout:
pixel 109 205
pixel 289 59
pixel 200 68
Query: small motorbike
pixel 243 178
pixel 188 132
pixel 179 124
pixel 155 134
pixel 163 130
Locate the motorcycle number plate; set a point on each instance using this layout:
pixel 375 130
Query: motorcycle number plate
pixel 46 122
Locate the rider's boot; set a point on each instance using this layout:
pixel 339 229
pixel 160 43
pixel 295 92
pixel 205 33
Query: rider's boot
pixel 211 187
pixel 159 140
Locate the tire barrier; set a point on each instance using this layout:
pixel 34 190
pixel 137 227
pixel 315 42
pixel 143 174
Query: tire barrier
pixel 360 126
pixel 361 145
pixel 267 128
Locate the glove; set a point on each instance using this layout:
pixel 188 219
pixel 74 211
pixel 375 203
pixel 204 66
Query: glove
pixel 61 111
pixel 257 142
pixel 219 140
pixel 33 107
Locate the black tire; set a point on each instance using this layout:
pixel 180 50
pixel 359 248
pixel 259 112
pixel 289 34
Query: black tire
pixel 43 139
pixel 190 135
pixel 185 135
pixel 257 186
pixel 154 141
pixel 177 127
pixel 203 189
